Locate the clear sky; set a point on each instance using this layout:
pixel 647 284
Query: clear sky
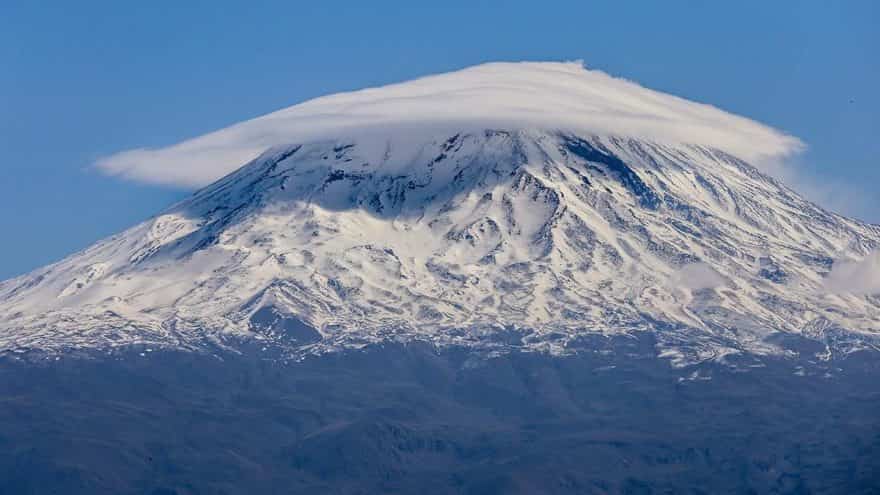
pixel 82 80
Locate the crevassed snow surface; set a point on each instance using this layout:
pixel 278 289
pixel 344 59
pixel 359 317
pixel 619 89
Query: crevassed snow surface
pixel 464 236
pixel 512 96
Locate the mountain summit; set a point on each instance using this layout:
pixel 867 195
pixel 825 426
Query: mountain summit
pixel 527 206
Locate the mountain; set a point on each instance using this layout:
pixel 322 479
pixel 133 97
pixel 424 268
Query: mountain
pixel 514 278
pixel 517 236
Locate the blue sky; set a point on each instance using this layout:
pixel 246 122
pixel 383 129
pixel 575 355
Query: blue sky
pixel 82 80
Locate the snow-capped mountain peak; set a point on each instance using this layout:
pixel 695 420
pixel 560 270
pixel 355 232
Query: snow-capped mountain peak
pixel 529 236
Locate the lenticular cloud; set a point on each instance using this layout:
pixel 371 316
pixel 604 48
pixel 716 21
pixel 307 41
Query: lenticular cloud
pixel 545 95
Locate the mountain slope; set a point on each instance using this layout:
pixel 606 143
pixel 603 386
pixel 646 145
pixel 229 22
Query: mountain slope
pixel 553 234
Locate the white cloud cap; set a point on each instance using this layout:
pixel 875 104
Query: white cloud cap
pixel 545 95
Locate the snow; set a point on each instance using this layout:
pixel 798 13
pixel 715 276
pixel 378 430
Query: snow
pixel 513 96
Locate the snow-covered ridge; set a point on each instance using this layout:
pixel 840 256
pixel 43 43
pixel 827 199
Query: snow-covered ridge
pixel 511 96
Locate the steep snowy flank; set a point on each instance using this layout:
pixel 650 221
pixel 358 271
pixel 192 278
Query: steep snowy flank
pixel 510 96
